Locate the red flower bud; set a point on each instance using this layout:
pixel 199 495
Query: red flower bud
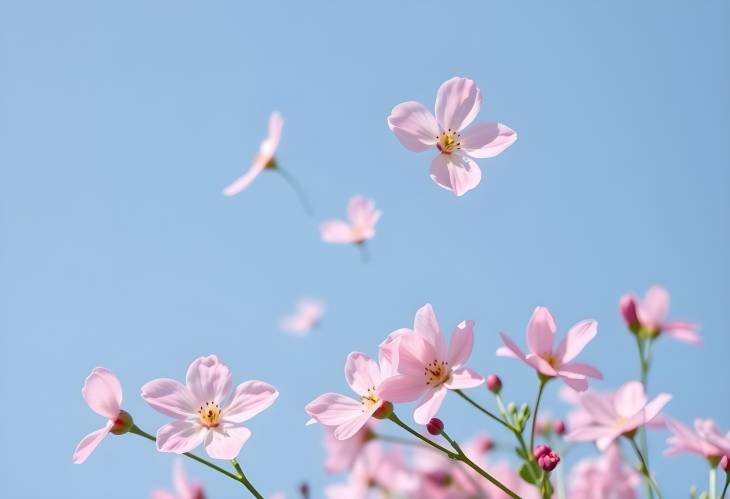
pixel 559 427
pixel 435 426
pixel 628 310
pixel 384 411
pixel 548 461
pixel 494 383
pixel 540 451
pixel 724 463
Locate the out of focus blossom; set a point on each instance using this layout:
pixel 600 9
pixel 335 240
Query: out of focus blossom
pixel 604 477
pixel 307 315
pixel 184 489
pixel 706 440
pixel 361 225
pixel 341 454
pixel 649 316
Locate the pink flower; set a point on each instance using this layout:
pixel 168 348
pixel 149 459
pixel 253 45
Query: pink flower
pixel 605 477
pixel 363 218
pixel 184 489
pixel 205 410
pixel 341 454
pixel 103 393
pixel 579 416
pixel 457 104
pixel 426 367
pixel 264 159
pixel 348 415
pixel 555 363
pixel 650 315
pixel 620 413
pixel 308 314
pixel 706 439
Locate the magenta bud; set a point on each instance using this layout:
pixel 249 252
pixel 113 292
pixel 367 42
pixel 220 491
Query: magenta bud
pixel 559 427
pixel 487 444
pixel 540 451
pixel 548 461
pixel 494 383
pixel 628 310
pixel 384 411
pixel 304 490
pixel 435 426
pixel 724 463
pixel 122 424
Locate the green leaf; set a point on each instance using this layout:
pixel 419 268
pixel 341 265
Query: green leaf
pixel 521 453
pixel 526 474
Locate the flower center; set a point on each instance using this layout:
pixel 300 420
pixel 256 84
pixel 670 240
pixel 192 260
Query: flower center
pixel 448 141
pixel 210 414
pixel 437 372
pixel 551 359
pixel 622 420
pixel 369 399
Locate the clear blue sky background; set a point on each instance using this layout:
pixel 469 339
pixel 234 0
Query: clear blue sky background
pixel 122 121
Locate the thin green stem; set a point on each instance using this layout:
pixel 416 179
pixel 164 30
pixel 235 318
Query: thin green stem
pixel 364 253
pixel 645 468
pixel 239 478
pixel 413 432
pixel 644 347
pixel 485 411
pixel 727 482
pixel 713 482
pixel 540 388
pixel 297 189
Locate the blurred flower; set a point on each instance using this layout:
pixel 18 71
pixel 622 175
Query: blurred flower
pixel 308 314
pixel 363 218
pixel 458 102
pixel 706 440
pixel 264 159
pixel 204 409
pixel 426 368
pixel 605 477
pixel 649 315
pixel 103 394
pixel 551 363
pixel 341 454
pixel 184 489
pixel 347 415
pixel 621 413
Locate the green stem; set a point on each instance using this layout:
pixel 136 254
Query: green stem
pixel 727 482
pixel 413 432
pixel 644 347
pixel 540 388
pixel 239 478
pixel 485 411
pixel 645 468
pixel 297 189
pixel 364 253
pixel 713 482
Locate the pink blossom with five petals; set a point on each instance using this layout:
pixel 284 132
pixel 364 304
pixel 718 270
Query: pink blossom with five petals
pixel 205 410
pixel 552 363
pixel 361 227
pixel 706 440
pixel 184 488
pixel 458 102
pixel 650 315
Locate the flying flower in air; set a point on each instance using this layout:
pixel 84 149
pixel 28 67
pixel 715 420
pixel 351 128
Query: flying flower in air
pixel 706 440
pixel 458 102
pixel 184 489
pixel 103 393
pixel 360 228
pixel 308 314
pixel 648 316
pixel 205 410
pixel 426 368
pixel 550 362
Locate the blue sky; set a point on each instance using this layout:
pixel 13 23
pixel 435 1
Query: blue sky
pixel 121 123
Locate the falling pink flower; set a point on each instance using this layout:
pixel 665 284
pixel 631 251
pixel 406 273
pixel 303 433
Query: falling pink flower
pixel 622 413
pixel 264 159
pixel 426 368
pixel 361 227
pixel 457 104
pixel 103 393
pixel 706 440
pixel 555 363
pixel 341 454
pixel 308 314
pixel 650 315
pixel 605 477
pixel 348 415
pixel 205 410
pixel 184 489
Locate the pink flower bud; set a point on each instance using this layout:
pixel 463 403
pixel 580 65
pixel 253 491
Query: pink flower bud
pixel 540 451
pixel 435 426
pixel 724 463
pixel 122 424
pixel 494 383
pixel 548 461
pixel 559 427
pixel 628 310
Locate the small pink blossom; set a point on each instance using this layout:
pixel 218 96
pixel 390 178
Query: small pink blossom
pixel 184 489
pixel 361 227
pixel 264 159
pixel 348 415
pixel 620 413
pixel 341 454
pixel 458 102
pixel 205 410
pixel 650 315
pixel 308 314
pixel 550 362
pixel 103 394
pixel 605 477
pixel 426 368
pixel 706 440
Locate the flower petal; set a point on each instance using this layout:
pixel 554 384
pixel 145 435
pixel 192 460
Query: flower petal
pixel 349 428
pixel 336 231
pixel 599 407
pixel 576 339
pixel 403 388
pixel 577 384
pixel 655 306
pixel 629 399
pixel 249 399
pixel 180 436
pixel 541 332
pixel 486 140
pixel 510 349
pixel 464 378
pixel 461 345
pixel 414 126
pixel 456 173
pixel 580 369
pixel 457 103
pixel 361 372
pixel 682 331
pixel 333 409
pixel 225 442
pixel 245 180
pixel 169 397
pixel 429 405
pixel 540 364
pixel 654 407
pixel 208 379
pixel 103 392
pixel 271 143
pixel 89 443
pixel 414 354
pixel 426 325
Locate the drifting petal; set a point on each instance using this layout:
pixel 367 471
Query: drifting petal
pixel 336 231
pixel 541 332
pixel 580 369
pixel 429 405
pixel 576 339
pixel 333 409
pixel 461 345
pixel 170 398
pixel 208 379
pixel 629 399
pixel 403 387
pixel 486 140
pixel 414 126
pixel 457 103
pixel 103 392
pixel 464 378
pixel 654 307
pixel 456 173
pixel 225 442
pixel 361 372
pixel 249 399
pixel 89 443
pixel 349 428
pixel 683 331
pixel 510 349
pixel 245 180
pixel 180 436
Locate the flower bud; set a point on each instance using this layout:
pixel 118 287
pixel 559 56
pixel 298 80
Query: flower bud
pixel 512 408
pixel 548 461
pixel 384 411
pixel 540 451
pixel 494 384
pixel 122 424
pixel 724 463
pixel 559 427
pixel 628 310
pixel 304 490
pixel 435 426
